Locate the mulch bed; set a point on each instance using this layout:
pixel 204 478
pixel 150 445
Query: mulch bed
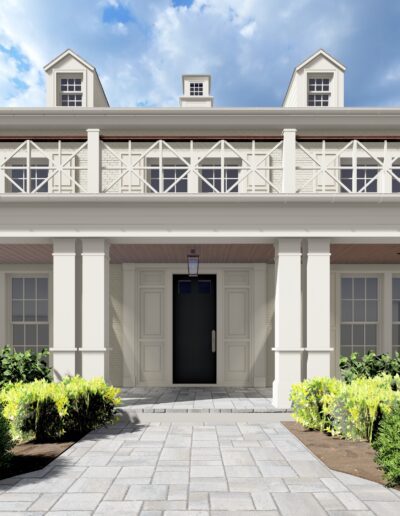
pixel 353 457
pixel 31 456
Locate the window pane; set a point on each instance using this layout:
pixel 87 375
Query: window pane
pixel 347 311
pixel 17 311
pixel 43 336
pixel 372 311
pixel 359 288
pixel 359 311
pixel 346 351
pixel 30 336
pixel 370 336
pixel 42 311
pixel 30 288
pixel 347 288
pixel 345 335
pixel 396 335
pixel 42 288
pixel 30 310
pixel 396 311
pixel 358 335
pixel 17 288
pixel 372 288
pixel 396 288
pixel 18 335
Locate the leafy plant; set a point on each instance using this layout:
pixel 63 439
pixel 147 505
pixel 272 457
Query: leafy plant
pixel 387 446
pixel 369 366
pixel 51 411
pixel 6 441
pixel 23 367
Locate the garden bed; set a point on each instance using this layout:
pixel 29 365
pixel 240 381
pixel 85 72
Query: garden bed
pixel 33 456
pixel 352 457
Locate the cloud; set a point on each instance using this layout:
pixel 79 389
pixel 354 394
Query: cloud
pixel 141 48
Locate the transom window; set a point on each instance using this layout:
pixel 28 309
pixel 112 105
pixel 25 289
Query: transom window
pixel 365 180
pixel 359 315
pixel 162 180
pixel 222 180
pixel 30 313
pixel 318 91
pixel 19 176
pixel 196 89
pixel 396 315
pixel 71 92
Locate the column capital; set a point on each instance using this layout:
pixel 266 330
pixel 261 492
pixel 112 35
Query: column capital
pixel 289 131
pixel 318 246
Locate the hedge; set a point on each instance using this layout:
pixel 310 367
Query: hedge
pixel 53 411
pixel 6 441
pixel 23 367
pixel 387 446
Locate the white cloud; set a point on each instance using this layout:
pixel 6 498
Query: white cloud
pixel 248 46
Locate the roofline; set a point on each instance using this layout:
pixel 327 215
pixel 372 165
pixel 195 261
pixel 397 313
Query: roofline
pixel 63 54
pixel 308 60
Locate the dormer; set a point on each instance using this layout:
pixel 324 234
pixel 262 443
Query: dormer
pixel 317 82
pixel 73 82
pixel 196 91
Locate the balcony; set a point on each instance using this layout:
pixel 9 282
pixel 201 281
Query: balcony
pixel 287 165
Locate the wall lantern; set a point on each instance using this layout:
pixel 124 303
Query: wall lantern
pixel 193 260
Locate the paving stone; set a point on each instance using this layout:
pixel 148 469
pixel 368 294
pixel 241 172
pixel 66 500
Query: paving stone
pixel 263 501
pixel 266 454
pixel 270 485
pixel 351 502
pixel 385 508
pixel 334 485
pixel 178 492
pixel 124 507
pixel 373 493
pixel 136 471
pixel 306 485
pixel 116 492
pixel 12 506
pixel 237 458
pixel 328 501
pixel 208 484
pixel 171 477
pixel 276 469
pixel 101 472
pixel 175 454
pixel 204 471
pixel 18 497
pixel 147 492
pixel 198 501
pixel 298 504
pixel 90 485
pixel 306 468
pixel 242 472
pixel 165 505
pixel 78 502
pixel 231 501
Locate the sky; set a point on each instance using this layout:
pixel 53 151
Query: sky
pixel 141 48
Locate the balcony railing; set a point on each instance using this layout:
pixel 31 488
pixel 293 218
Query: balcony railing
pixel 197 167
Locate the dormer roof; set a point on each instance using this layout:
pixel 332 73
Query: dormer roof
pixel 72 54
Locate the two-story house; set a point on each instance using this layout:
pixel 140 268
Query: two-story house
pixel 200 245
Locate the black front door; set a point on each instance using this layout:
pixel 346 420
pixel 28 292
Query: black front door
pixel 194 330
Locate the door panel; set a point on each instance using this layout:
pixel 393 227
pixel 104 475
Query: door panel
pixel 194 319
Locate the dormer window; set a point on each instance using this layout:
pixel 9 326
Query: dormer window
pixel 318 91
pixel 196 89
pixel 71 91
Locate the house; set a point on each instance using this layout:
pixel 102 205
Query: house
pixel 288 218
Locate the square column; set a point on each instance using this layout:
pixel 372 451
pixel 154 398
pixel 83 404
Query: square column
pixel 288 350
pixel 95 307
pixel 319 352
pixel 64 307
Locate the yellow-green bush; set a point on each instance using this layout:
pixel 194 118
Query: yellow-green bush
pixel 51 411
pixel 307 400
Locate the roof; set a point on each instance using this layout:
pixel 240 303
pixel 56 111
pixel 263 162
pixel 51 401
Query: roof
pixel 320 52
pixel 66 53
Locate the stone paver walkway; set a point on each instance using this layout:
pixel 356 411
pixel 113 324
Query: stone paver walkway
pixel 198 399
pixel 174 469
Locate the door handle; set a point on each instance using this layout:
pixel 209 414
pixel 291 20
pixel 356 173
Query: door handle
pixel 213 341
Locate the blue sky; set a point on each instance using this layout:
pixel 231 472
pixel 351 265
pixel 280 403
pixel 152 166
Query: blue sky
pixel 250 47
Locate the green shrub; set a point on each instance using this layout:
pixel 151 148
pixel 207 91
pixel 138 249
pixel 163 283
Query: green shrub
pixel 387 446
pixel 51 411
pixel 307 401
pixel 23 367
pixel 6 441
pixel 355 409
pixel 368 366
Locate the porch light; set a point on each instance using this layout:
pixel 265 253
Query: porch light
pixel 193 260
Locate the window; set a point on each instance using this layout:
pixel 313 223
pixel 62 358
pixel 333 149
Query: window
pixel 359 315
pixel 19 175
pixel 196 89
pixel 169 174
pixel 29 313
pixel 396 178
pixel 365 181
pixel 219 179
pixel 71 92
pixel 396 315
pixel 318 91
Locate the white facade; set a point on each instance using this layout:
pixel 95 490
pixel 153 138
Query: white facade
pixel 293 212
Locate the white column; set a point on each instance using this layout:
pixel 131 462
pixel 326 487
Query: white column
pixel 288 349
pixel 95 307
pixel 64 299
pixel 319 351
pixel 289 161
pixel 387 314
pixel 385 179
pixel 93 161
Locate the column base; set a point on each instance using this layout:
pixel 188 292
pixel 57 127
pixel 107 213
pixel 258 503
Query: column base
pixel 64 362
pixel 287 372
pixel 319 362
pixel 94 363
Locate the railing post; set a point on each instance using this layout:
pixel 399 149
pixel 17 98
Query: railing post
pixel 384 178
pixel 289 161
pixel 93 161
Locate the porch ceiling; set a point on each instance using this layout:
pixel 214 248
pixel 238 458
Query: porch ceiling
pixel 209 253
